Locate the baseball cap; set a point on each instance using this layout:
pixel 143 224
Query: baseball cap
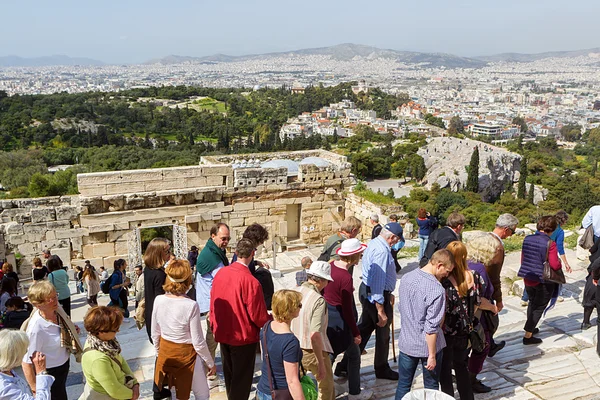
pixel 395 228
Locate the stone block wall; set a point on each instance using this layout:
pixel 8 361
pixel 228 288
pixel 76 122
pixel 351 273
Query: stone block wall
pixel 97 224
pixel 31 225
pixel 362 209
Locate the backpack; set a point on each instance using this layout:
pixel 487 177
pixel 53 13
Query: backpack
pixel 326 254
pixel 105 286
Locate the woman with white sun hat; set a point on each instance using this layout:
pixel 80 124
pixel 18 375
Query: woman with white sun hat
pixel 342 329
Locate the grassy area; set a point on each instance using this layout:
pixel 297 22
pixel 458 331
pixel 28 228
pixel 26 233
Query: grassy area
pixel 373 197
pixel 209 104
pixel 409 252
pixel 571 241
pixel 513 243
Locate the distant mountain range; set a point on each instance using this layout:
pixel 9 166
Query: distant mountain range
pixel 15 61
pixel 343 52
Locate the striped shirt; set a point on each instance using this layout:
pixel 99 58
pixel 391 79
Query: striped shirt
pixel 378 269
pixel 313 318
pixel 422 304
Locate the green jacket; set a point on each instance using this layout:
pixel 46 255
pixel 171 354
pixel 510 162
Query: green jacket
pixel 210 256
pixel 106 376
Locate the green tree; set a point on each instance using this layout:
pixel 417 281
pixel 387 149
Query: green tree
pixel 571 133
pixel 39 185
pixel 473 173
pixel 521 122
pixel 522 187
pixel 531 194
pixel 456 126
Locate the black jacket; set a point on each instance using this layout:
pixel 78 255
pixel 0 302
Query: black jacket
pixel 439 239
pixel 154 279
pixel 376 231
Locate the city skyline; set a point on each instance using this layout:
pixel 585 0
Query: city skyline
pixel 135 32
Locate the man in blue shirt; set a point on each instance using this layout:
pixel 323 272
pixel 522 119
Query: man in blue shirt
pixel 592 217
pixel 375 293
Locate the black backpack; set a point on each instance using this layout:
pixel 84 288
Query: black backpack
pixel 326 254
pixel 105 286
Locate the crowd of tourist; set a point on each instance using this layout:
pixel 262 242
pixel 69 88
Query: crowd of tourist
pixel 448 312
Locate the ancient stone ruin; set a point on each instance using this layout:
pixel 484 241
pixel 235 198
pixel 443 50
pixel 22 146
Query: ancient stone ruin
pixel 298 196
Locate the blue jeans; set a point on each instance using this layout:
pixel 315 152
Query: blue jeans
pixel 423 240
pixel 407 366
pixel 262 396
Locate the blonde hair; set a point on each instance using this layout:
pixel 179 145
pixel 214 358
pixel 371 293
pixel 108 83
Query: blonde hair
pixel 13 346
pixel 482 248
pixel 459 251
pixel 284 304
pixel 178 270
pixel 40 292
pixel 154 257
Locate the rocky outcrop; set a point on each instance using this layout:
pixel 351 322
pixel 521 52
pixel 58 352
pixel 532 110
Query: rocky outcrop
pixel 447 158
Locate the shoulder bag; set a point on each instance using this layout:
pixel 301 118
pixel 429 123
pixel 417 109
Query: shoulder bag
pixel 587 239
pixel 276 394
pixel 474 328
pixel 551 275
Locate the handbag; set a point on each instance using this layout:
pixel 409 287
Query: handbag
pixel 492 321
pixel 475 329
pixel 551 275
pixel 587 239
pixel 308 386
pixel 276 394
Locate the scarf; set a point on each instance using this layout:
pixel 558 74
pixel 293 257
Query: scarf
pixel 210 257
pixel 111 348
pixel 69 339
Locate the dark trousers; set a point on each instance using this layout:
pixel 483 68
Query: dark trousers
pixel 476 360
pixel 368 324
pixel 587 314
pixel 93 300
pixel 238 369
pixel 58 390
pixel 66 305
pixel 351 365
pixel 539 297
pixel 455 357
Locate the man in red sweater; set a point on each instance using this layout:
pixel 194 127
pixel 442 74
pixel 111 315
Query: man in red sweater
pixel 238 311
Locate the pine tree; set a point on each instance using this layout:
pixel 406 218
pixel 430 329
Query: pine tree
pixel 531 194
pixel 522 188
pixel 473 176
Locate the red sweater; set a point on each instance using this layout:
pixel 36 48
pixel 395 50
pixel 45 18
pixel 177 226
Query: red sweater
pixel 339 293
pixel 237 306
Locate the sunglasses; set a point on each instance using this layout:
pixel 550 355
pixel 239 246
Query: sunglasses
pixel 299 305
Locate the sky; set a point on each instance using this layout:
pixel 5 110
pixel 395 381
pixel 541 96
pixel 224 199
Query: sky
pixel 134 31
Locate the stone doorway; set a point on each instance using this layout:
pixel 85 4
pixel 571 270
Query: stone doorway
pixel 135 242
pixel 292 217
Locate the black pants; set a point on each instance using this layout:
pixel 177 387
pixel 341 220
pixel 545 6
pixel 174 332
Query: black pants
pixel 238 369
pixel 93 300
pixel 66 305
pixel 455 357
pixel 58 390
pixel 368 324
pixel 539 297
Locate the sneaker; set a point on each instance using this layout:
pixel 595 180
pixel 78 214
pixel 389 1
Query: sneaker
pixel 479 387
pixel 365 394
pixel 499 346
pixel 340 389
pixel 524 303
pixel 211 377
pixel 560 299
pixel 531 340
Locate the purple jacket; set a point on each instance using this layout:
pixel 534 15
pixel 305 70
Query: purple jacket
pixel 488 291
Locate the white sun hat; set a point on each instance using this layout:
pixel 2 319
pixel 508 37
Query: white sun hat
pixel 320 269
pixel 350 247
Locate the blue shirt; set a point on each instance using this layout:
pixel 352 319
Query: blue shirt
pixel 424 226
pixel 115 279
pixel 378 269
pixel 422 305
pixel 281 347
pixel 203 287
pixel 592 217
pixel 559 237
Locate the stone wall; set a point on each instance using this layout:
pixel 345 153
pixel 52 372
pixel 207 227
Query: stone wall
pixel 97 224
pixel 362 209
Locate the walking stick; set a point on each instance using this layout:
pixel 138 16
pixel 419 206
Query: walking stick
pixel 393 341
